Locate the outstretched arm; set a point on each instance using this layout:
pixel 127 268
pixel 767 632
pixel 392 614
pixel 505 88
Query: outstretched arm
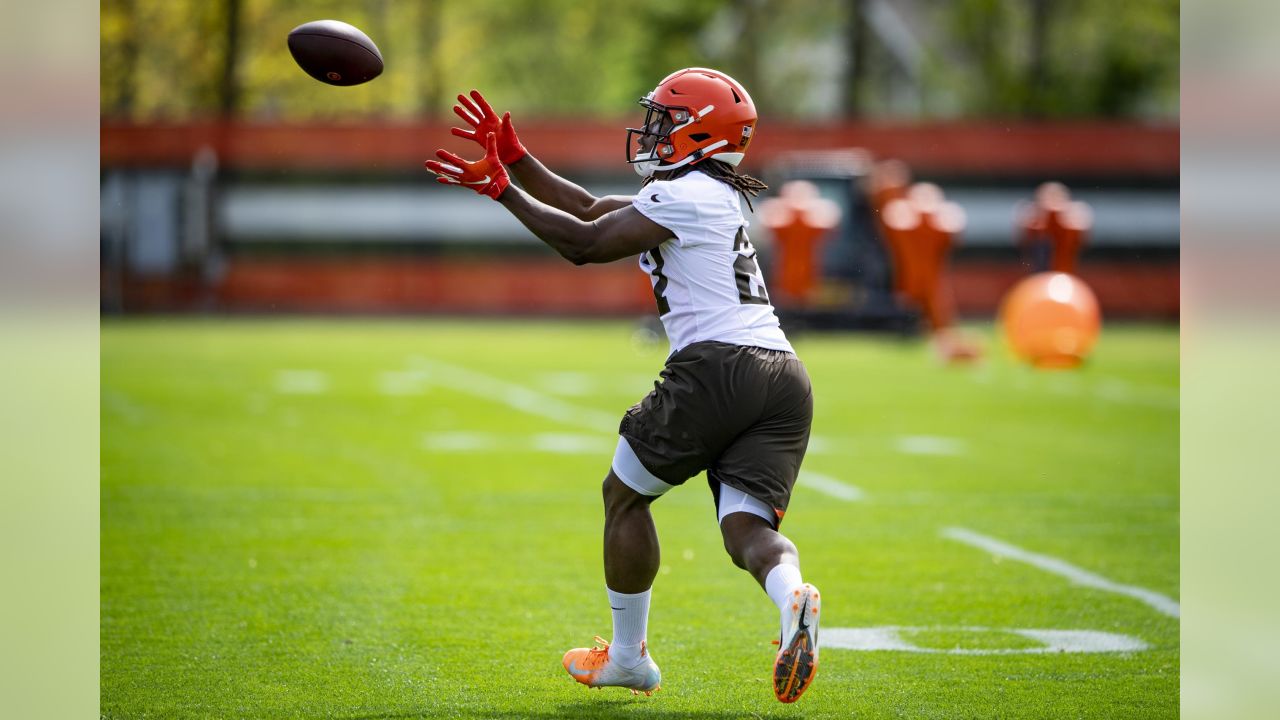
pixel 617 234
pixel 613 235
pixel 557 192
pixel 541 183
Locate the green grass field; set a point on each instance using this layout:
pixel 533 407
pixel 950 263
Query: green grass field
pixel 401 519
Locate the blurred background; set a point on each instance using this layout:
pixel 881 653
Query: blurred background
pixel 233 182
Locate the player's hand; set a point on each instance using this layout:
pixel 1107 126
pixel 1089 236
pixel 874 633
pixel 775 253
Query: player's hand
pixel 476 112
pixel 486 176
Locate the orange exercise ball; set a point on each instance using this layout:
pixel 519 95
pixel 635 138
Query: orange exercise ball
pixel 1051 320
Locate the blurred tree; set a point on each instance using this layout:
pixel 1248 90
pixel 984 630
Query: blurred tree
pixel 176 59
pixel 1059 58
pixel 229 87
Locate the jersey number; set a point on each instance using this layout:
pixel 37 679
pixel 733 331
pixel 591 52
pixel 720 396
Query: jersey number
pixel 747 273
pixel 652 263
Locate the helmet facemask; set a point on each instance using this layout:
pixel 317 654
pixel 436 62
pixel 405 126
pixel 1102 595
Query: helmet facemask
pixel 647 147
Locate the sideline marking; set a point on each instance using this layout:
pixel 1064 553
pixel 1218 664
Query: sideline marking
pixel 570 444
pixel 928 445
pixel 302 382
pixel 514 395
pixel 831 486
pixel 1052 641
pixel 1161 603
pixel 460 442
pixel 557 443
pixel 402 382
pixel 575 384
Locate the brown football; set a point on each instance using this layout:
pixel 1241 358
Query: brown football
pixel 334 52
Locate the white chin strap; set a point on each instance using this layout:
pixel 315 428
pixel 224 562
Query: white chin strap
pixel 647 165
pixel 730 158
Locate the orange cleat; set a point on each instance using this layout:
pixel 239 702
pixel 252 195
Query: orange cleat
pixel 593 667
pixel 797 660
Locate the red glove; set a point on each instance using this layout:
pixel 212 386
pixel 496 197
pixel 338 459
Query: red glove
pixel 486 176
pixel 480 116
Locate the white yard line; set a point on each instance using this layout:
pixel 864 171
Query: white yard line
pixel 402 382
pixel 571 444
pixel 302 382
pixel 516 396
pixel 1106 389
pixel 1051 641
pixel 1077 575
pixel 928 445
pixel 830 486
pixel 574 384
pixel 555 443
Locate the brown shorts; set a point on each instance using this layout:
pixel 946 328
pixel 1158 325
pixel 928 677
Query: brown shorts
pixel 741 413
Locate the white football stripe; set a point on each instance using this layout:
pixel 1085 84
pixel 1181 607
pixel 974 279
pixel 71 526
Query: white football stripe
pixel 1077 575
pixel 830 486
pixel 516 396
pixel 558 443
pixel 890 638
pixel 570 444
pixel 301 382
pixel 929 445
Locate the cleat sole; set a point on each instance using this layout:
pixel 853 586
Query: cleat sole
pixel 796 663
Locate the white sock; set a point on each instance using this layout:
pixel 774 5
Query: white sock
pixel 630 625
pixel 779 583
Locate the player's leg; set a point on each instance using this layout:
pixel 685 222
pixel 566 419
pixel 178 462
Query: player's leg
pixel 665 439
pixel 754 544
pixel 631 551
pixel 752 481
pixel 631 557
pixel 751 537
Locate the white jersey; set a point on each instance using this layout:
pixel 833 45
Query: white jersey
pixel 705 279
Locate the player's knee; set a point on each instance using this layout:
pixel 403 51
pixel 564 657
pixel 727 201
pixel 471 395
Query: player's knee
pixel 735 551
pixel 737 539
pixel 618 497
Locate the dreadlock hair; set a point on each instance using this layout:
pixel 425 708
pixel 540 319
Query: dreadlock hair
pixel 746 185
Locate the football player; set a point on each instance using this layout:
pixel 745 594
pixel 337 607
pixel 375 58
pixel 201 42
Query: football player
pixel 734 399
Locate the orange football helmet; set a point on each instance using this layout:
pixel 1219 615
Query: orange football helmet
pixel 693 114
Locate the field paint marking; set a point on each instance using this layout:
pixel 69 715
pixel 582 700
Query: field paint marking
pixel 1052 641
pixel 819 444
pixel 575 384
pixel 831 486
pixel 302 382
pixel 935 445
pixel 570 444
pixel 515 395
pixel 558 443
pixel 402 382
pixel 1123 392
pixel 1079 576
pixel 1107 389
pixel 929 445
pixel 460 442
